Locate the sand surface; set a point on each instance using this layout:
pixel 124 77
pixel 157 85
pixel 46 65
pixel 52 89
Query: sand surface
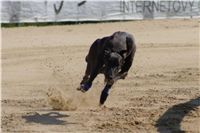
pixel 43 66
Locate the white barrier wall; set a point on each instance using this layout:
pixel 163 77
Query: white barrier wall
pixel 87 10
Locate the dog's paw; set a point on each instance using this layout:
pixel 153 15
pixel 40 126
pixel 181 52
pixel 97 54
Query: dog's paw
pixel 80 89
pixel 84 87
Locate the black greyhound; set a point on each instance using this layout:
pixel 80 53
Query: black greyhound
pixel 113 56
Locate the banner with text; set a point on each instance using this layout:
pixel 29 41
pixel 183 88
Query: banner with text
pixel 87 10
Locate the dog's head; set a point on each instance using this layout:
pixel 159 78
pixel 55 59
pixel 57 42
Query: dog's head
pixel 113 64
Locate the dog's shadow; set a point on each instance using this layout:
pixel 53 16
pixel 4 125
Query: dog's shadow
pixel 51 118
pixel 170 121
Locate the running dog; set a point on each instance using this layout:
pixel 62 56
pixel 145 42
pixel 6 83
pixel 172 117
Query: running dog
pixel 112 56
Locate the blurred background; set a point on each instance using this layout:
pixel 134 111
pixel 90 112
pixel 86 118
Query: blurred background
pixel 90 10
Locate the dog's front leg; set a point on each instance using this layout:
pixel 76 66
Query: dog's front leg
pixel 88 84
pixel 105 93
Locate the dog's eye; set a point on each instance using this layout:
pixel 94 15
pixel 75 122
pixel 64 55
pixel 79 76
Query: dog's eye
pixel 115 63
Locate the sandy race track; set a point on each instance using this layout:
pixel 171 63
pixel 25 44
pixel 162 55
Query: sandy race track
pixel 43 66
